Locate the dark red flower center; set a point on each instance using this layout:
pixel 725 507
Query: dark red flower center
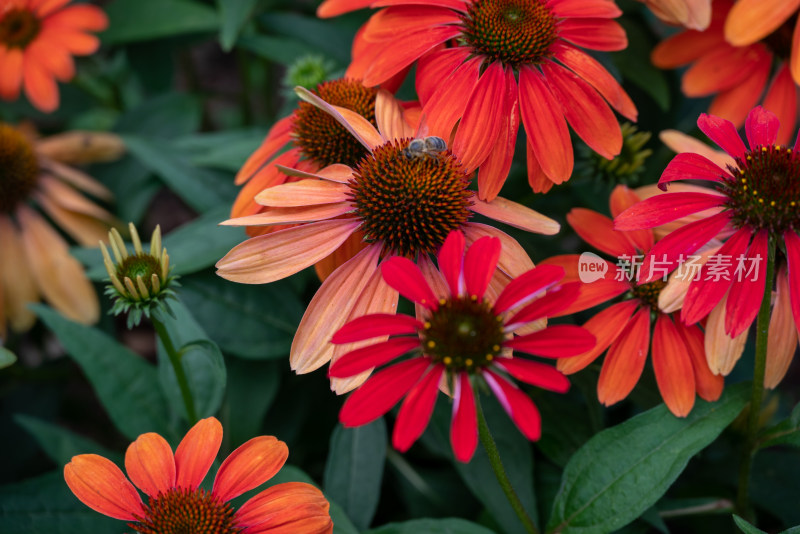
pixel 18 27
pixel 318 135
pixel 764 193
pixel 410 201
pixel 516 32
pixel 19 168
pixel 464 334
pixel 648 293
pixel 780 41
pixel 185 511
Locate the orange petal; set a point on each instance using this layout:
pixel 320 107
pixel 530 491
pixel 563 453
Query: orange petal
pixel 598 231
pixel 722 69
pixel 19 287
pixel 69 199
pixel 335 173
pixel 76 178
pixel 303 193
pixel 60 277
pixel 303 214
pixel 286 508
pixel 680 142
pixel 271 257
pixel 782 337
pixel 150 464
pixel 781 99
pixel 516 215
pixel 751 20
pixel 249 466
pixel 494 170
pixel 197 452
pixel 794 54
pixel 100 485
pixel 329 308
pixel 389 116
pixel 354 123
pixel 79 17
pixel 276 138
pixel 352 246
pixel 735 103
pixel 11 66
pixel 537 179
pixel 622 198
pixel 513 259
pixel 56 61
pixel 40 86
pixel 269 175
pixel 686 47
pixel 446 105
pixel 673 367
pixel 625 360
pixel 75 42
pixel 708 385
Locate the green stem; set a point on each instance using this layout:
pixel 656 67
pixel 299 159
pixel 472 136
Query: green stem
pixel 762 331
pixel 180 374
pixel 497 466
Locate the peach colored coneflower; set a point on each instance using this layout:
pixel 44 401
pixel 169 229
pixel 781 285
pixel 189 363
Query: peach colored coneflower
pixel 698 161
pixel 35 259
pixel 691 14
pixel 177 504
pixel 483 64
pixel 403 201
pixel 740 73
pixel 37 41
pixel 624 328
pixel 464 337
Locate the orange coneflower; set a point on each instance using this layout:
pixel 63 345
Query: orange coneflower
pixel 483 64
pixel 735 58
pixel 176 503
pixel 37 41
pixel 35 259
pixel 403 197
pixel 692 14
pixel 624 328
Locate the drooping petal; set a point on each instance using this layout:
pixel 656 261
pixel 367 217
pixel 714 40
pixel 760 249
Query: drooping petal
pixel 464 428
pixel 723 133
pixel 416 410
pixel 527 286
pixel 673 368
pixel 708 385
pixel 365 358
pixel 480 263
pixel 559 341
pixel 354 123
pixel 517 405
pixel 451 262
pixel 516 215
pixel 100 485
pixel 196 452
pixel 376 325
pixel 535 373
pixel 598 230
pixel 747 289
pixel 303 193
pixel 286 508
pixel 782 336
pixel 150 464
pixel 276 138
pixel 404 275
pixel 16 279
pixel 661 209
pixel 250 465
pixel 625 360
pixel 792 242
pixel 722 351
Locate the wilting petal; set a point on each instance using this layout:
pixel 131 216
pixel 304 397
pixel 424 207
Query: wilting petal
pixel 559 341
pixel 661 209
pixel 16 279
pixel 404 275
pixel 782 337
pixel 673 368
pixel 100 485
pixel 625 360
pixel 535 373
pixel 723 133
pixel 250 465
pixel 286 508
pixel 150 464
pixel 722 351
pixel 196 452
pixel 463 428
pixel 517 405
pixel 416 410
pixel 598 230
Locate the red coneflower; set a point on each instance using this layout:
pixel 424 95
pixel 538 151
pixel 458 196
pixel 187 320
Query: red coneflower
pixel 464 336
pixel 756 201
pixel 37 41
pixel 176 503
pixel 734 58
pixel 482 64
pixel 402 201
pixel 624 328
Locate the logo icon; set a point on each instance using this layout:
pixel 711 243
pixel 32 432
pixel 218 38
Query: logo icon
pixel 591 267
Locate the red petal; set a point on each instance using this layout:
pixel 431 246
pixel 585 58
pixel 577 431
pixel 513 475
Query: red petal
pixel 605 9
pixel 416 410
pixel 404 275
pixel 708 385
pixel 595 34
pixel 661 209
pixel 400 53
pixel 518 406
pixel 493 172
pixel 747 290
pixel 441 65
pixel 371 356
pixel 598 230
pixel 382 391
pixel 625 360
pixel 388 24
pixel 559 341
pixel 376 325
pixel 480 263
pixel 535 373
pixel 793 261
pixel 527 286
pixel 761 128
pixel 333 8
pixel 690 166
pixel 723 133
pixel 451 261
pixel 551 305
pixel 196 452
pixel 622 198
pixel 781 99
pixel 673 368
pixel 464 429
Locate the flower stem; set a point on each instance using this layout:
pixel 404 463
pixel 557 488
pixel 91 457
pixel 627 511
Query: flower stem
pixel 762 331
pixel 180 374
pixel 497 466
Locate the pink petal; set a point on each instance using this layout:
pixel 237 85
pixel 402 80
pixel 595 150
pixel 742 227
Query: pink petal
pixel 559 341
pixel 661 209
pixel 723 133
pixel 526 286
pixel 416 410
pixel 747 291
pixel 365 358
pixel 480 263
pixel 761 127
pixel 464 429
pixel 517 404
pixel 376 325
pixel 552 304
pixel 404 275
pixel 689 166
pixel 451 261
pixel 793 260
pixel 535 373
pixel 516 215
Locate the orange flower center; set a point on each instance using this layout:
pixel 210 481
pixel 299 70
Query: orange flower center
pixel 780 41
pixel 18 27
pixel 464 334
pixel 765 191
pixel 648 293
pixel 409 201
pixel 181 511
pixel 318 135
pixel 516 32
pixel 19 168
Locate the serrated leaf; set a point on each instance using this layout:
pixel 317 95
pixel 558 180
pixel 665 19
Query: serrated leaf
pixel 354 469
pixel 255 322
pixel 234 15
pixel 746 527
pixel 59 444
pixel 622 471
pixel 439 526
pixel 122 380
pixel 7 358
pixel 142 20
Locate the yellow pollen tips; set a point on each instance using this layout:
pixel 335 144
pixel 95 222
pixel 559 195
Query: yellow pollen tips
pixel 763 149
pixel 447 360
pixel 473 298
pixel 426 325
pixel 760 200
pixel 744 188
pixel 772 203
pixel 744 180
pixel 496 348
pixel 755 193
pixel 489 357
pixel 431 344
pixel 792 203
pixel 468 362
pixel 442 302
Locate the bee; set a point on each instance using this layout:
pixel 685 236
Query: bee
pixel 425 147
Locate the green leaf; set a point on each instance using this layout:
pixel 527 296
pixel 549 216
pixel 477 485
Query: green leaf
pixel 283 50
pixel 141 20
pixel 201 189
pixel 257 322
pixel 321 34
pixel 45 504
pixel 226 150
pixel 163 117
pixel 746 527
pixel 439 526
pixel 122 380
pixel 202 242
pixel 7 358
pixel 234 15
pixel 201 359
pixel 622 471
pixel 354 469
pixel 787 432
pixel 251 389
pixel 59 444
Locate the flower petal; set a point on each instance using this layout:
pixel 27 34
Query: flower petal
pixel 761 127
pixel 464 428
pixel 625 360
pixel 708 385
pixel 451 262
pixel 354 123
pixel 513 261
pixel 792 242
pixel 11 80
pixel 559 341
pixel 517 405
pixel 782 337
pixel 100 485
pixel 781 99
pixel 751 20
pixel 494 170
pixel 673 368
pixel 661 209
pixel 404 50
pixel 371 356
pixel 404 275
pixel 276 138
pixel 535 373
pixel 594 34
pixel 150 464
pixel 376 325
pixel 598 230
pixel 480 263
pixel 688 166
pixel 250 465
pixel 723 133
pixel 16 279
pixel 552 304
pixel 196 452
pixel 747 290
pixel 389 116
pixel 286 508
pixel 416 410
pixel 527 286
pixel 516 215
pixel 722 351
